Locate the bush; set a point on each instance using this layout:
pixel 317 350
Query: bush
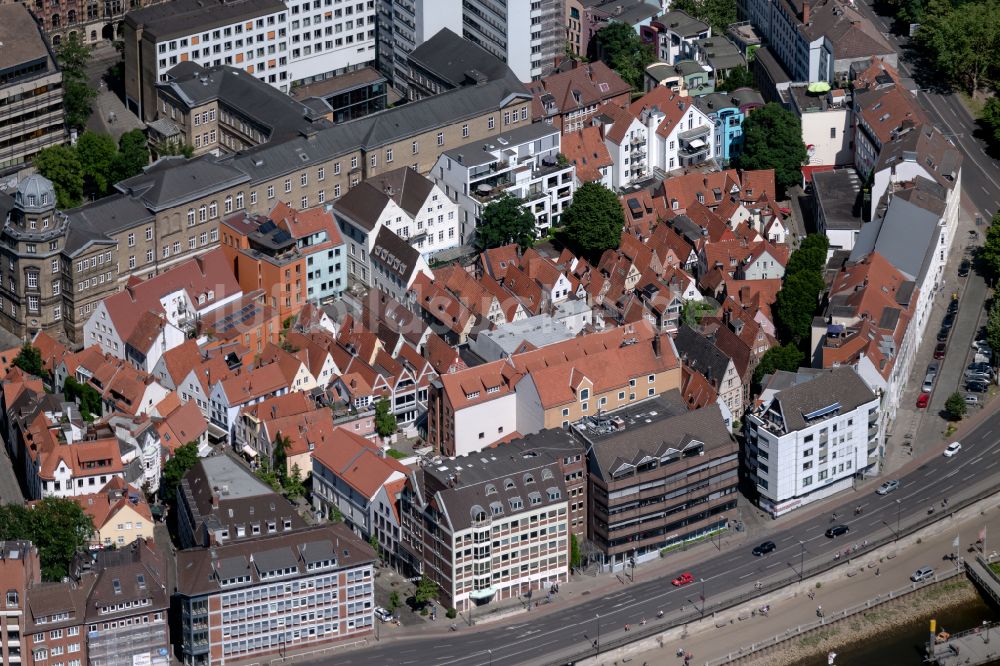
pixel 451 613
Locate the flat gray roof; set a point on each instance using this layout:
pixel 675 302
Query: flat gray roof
pixel 837 192
pixel 185 17
pixel 19 36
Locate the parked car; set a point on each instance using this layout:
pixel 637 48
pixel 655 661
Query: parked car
pixel 382 614
pixel 943 334
pixel 940 350
pixel 922 574
pixel 953 305
pixel 888 487
pixel 764 548
pixel 977 376
pixel 977 387
pixel 837 530
pixel 964 268
pixel 922 400
pixel 933 367
pixel 979 366
pixel 982 346
pixel 948 321
pixel 952 449
pixel 971 400
pixel 928 384
pixel 983 358
pixel 683 579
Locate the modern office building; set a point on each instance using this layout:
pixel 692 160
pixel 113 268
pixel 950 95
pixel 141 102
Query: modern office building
pixel 404 25
pixel 489 526
pixel 253 600
pixel 529 36
pixel 660 476
pixel 810 436
pixel 31 93
pixel 284 44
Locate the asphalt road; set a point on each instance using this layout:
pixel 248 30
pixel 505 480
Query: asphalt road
pixel 980 172
pixel 532 638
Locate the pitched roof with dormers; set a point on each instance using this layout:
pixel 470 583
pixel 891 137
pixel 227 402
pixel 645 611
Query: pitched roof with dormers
pixel 585 150
pixel 586 85
pixel 184 424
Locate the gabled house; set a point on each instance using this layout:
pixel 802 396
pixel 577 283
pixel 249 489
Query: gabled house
pixel 679 134
pixel 245 387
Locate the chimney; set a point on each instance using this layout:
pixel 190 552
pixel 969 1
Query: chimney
pixel 806 13
pixel 657 350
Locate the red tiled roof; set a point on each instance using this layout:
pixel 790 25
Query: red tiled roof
pixel 585 149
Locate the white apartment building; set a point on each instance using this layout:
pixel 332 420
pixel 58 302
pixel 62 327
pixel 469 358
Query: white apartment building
pixel 529 35
pixel 523 162
pixel 627 141
pixel 410 205
pixel 679 134
pixel 282 43
pixel 809 439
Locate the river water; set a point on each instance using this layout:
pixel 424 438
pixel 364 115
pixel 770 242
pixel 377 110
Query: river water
pixel 904 645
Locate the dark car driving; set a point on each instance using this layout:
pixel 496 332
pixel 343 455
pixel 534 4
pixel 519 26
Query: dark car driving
pixel 764 548
pixel 837 530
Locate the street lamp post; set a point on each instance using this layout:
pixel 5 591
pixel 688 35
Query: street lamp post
pixel 987 625
pixel 899 507
pixel 490 652
pixel 802 557
pixel 598 641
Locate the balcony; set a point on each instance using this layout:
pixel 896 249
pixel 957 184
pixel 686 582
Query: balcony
pixel 872 431
pixel 873 417
pixel 697 133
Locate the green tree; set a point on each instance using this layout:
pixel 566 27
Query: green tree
pixel 393 600
pixel 29 359
pixel 175 148
pixel 504 221
pixel 785 357
pixel 78 96
pixel 58 527
pixel 267 474
pixel 593 221
pixel 86 396
pixel 376 546
pixel 427 590
pixel 97 154
pixel 61 165
pixel 693 311
pixel 73 56
pixel 294 488
pixel 738 77
pixel 772 139
pixel 962 40
pixel 988 255
pixel 133 155
pixel 385 422
pixel 993 325
pixel 279 457
pixel 575 558
pixel 990 119
pixel 620 48
pixel 335 515
pixel 955 407
pixel 795 306
pixel 184 458
pixel 717 13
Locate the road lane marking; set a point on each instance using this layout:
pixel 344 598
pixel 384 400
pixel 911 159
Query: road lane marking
pixel 966 478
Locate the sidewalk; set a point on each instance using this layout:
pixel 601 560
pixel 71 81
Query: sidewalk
pixel 792 607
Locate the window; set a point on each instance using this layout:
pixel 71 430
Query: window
pixel 190 217
pixel 149 233
pixel 490 122
pixel 321 174
pixel 465 130
pixel 131 240
pixel 32 280
pixel 374 160
pixel 440 138
pixel 304 179
pixel 584 394
pixel 288 185
pixel 55 265
pixel 415 146
pixel 202 213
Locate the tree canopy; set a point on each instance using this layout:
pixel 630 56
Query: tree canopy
pixel 990 120
pixel 784 357
pixel 619 46
pixel 427 590
pixel 87 397
pixel 962 40
pixel 988 255
pixel 505 221
pixel 93 166
pixel 593 221
pixel 719 14
pixel 802 285
pixel 29 359
pixel 385 421
pixel 61 165
pixel 78 96
pixel 993 325
pixel 955 407
pixel 738 77
pixel 772 139
pixel 184 458
pixel 58 527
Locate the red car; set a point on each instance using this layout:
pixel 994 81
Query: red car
pixel 683 579
pixel 923 400
pixel 940 349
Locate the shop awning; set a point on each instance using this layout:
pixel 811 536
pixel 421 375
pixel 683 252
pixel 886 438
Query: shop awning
pixel 249 450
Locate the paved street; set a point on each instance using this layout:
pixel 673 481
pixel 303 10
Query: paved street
pixel 551 629
pixel 10 491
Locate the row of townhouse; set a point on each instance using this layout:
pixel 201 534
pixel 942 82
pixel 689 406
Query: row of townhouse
pixel 110 610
